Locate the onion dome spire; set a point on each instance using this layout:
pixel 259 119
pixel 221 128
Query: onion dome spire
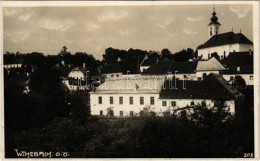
pixel 214 18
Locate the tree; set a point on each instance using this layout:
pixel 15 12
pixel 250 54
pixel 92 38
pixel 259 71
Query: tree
pixel 215 54
pixel 165 53
pixel 239 82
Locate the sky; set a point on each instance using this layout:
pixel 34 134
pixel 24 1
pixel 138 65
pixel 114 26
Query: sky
pixel 92 29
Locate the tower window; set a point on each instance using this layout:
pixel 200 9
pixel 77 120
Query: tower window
pixel 216 32
pixel 210 33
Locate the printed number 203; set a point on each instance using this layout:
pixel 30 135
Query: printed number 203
pixel 248 155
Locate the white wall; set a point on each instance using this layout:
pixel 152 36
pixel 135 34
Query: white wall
pixel 136 107
pixel 9 66
pixel 227 48
pixel 181 103
pixel 76 75
pixel 246 77
pixel 125 107
pixel 143 68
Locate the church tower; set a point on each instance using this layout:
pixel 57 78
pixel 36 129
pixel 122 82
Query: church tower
pixel 214 25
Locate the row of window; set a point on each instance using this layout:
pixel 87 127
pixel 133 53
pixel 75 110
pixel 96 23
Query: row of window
pixel 112 75
pixel 121 100
pixel 121 113
pixel 131 101
pixel 164 103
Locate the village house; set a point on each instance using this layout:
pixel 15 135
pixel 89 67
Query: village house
pixel 147 63
pixel 205 67
pixel 111 70
pixel 170 69
pixel 213 91
pixel 77 79
pixel 128 97
pixel 223 43
pixel 17 63
pixel 118 69
pixel 239 64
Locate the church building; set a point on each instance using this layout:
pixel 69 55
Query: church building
pixel 223 43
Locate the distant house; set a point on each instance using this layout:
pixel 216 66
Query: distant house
pixel 211 92
pixel 18 62
pixel 77 73
pixel 78 79
pixel 179 70
pixel 147 62
pixel 206 67
pixel 239 64
pixel 75 78
pixel 184 70
pixel 119 68
pixel 161 68
pixel 111 70
pixel 127 97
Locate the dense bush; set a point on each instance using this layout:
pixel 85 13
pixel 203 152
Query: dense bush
pixel 205 133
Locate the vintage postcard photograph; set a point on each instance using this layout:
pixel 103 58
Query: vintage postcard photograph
pixel 130 80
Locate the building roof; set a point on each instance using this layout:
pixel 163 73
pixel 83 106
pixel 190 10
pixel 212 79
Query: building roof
pixel 135 85
pixel 160 68
pixel 225 39
pixel 149 62
pixel 242 70
pixel 64 70
pixel 210 65
pixel 236 59
pixel 111 68
pixel 183 67
pixel 212 87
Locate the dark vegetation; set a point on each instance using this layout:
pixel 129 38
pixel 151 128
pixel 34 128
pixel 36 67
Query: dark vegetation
pixel 51 119
pixel 112 54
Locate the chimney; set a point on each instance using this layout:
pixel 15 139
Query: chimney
pixel 69 65
pixel 238 68
pixel 84 65
pixel 157 60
